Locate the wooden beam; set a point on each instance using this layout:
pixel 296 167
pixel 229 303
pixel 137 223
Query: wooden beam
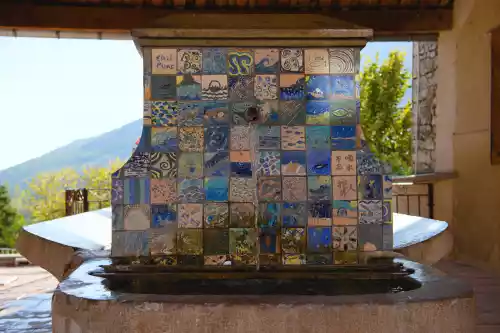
pixel 386 23
pixel 495 96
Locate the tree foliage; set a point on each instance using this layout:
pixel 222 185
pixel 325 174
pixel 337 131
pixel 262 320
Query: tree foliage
pixel 10 220
pixel 385 122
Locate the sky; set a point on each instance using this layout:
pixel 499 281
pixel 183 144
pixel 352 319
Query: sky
pixel 56 91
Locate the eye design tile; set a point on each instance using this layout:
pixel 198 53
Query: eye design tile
pixel 138 165
pixel 189 87
pixel 266 87
pixel 292 112
pixel 189 61
pixel 344 188
pixel 318 137
pixel 292 60
pixel 367 164
pixel 269 112
pixel 214 61
pixel 318 162
pixel 343 163
pixel 136 217
pixel 370 187
pixel 191 139
pixel 269 163
pixel 317 61
pixel 266 61
pixel 240 138
pixel 216 138
pixel 292 87
pixel 269 137
pixel 164 61
pixel 343 61
pixel 319 240
pixel 216 188
pixel 242 189
pixel 345 238
pixel 293 240
pixel 343 112
pixel 191 113
pixel 163 215
pixel 241 88
pixel 344 138
pixel 370 212
pixel 345 212
pixel 317 87
pixel 294 214
pixel 293 138
pixel 190 215
pixel 343 85
pixel 293 163
pixel 242 215
pixel 191 190
pixel 163 191
pixel 269 215
pixel 242 241
pixel 164 139
pixel 214 87
pixel 269 188
pixel 319 214
pixel 216 215
pixel 216 164
pixel 191 165
pixel 215 241
pixel 294 189
pixel 164 113
pixel 190 241
pixel 319 188
pixel 163 87
pixel 240 62
pixel 216 113
pixel 317 113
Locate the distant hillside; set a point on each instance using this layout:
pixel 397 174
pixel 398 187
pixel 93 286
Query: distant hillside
pixel 96 151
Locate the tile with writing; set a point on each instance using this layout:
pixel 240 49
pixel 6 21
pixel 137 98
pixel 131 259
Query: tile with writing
pixel 163 165
pixel 214 60
pixel 344 138
pixel 293 163
pixel 368 164
pixel 242 189
pixel 191 113
pixel 191 165
pixel 269 137
pixel 370 212
pixel 292 112
pixel 267 61
pixel 387 186
pixel 387 211
pixel 343 163
pixel 317 113
pixel 164 113
pixel 163 191
pixel 292 60
pixel 344 188
pixel 117 191
pixel 319 213
pixel 269 163
pixel 191 139
pixel 240 62
pixel 345 258
pixel 136 217
pixel 316 61
pixel 189 61
pixel 343 86
pixel 214 87
pixel 343 112
pixel 387 238
pixel 136 191
pixel 266 87
pixel 216 188
pixel 319 188
pixel 242 241
pixel 317 87
pixel 216 260
pixel 190 241
pixel 345 212
pixel 294 189
pixel 269 112
pixel 292 87
pixel 293 240
pixel 319 239
pixel 294 259
pixel 164 139
pixel 269 188
pixel 130 244
pixel 163 241
pixel 188 87
pixel 190 190
pixel 318 162
pixel 216 138
pixel 370 237
pixel 240 112
pixel 137 165
pixel 117 217
pixel 241 88
pixel 345 238
pixel 318 137
pixel 240 138
pixel 190 216
pixel 294 214
pixel 215 241
pixel 269 239
pixel 242 215
pixel 370 187
pixel 319 259
pixel 162 215
pixel 216 215
pixel 163 87
pixel 343 60
pixel 293 138
pixel 164 61
pixel 216 164
pixel 269 215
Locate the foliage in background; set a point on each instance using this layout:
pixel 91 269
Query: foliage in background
pixel 385 122
pixel 10 220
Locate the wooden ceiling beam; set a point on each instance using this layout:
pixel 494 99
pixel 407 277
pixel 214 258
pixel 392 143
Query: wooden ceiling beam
pixel 386 23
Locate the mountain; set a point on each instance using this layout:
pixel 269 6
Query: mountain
pixel 95 151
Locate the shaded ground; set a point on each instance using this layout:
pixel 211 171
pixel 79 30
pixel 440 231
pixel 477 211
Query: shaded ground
pixel 25 302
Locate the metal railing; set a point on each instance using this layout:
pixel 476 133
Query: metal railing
pixel 83 200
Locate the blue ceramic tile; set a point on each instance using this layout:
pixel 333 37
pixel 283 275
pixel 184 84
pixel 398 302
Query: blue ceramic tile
pixel 370 187
pixel 269 242
pixel 345 209
pixel 293 163
pixel 292 112
pixel 343 137
pixel 368 164
pixel 319 162
pixel 317 87
pixel 319 188
pixel 216 189
pixel 241 88
pixel 320 209
pixel 164 113
pixel 269 215
pixel 319 239
pixel 145 141
pixel 269 112
pixel 294 214
pixel 266 61
pixel 269 163
pixel 318 137
pixel 191 113
pixel 163 215
pixel 292 87
pixel 136 191
pixel 164 139
pixel 163 87
pixel 269 137
pixel 240 62
pixel 216 113
pixel 240 110
pixel 216 164
pixel 342 85
pixel 216 138
pixel 189 87
pixel 241 169
pixel 214 61
pixel 138 165
pixel 190 190
pixel 317 113
pixel 343 112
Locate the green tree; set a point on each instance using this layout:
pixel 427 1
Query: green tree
pixel 10 220
pixel 385 122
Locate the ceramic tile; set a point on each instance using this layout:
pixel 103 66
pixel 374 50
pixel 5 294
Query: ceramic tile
pixel 145 141
pixel 240 138
pixel 164 113
pixel 190 241
pixel 345 238
pixel 269 163
pixel 190 190
pixel 190 215
pixel 344 138
pixel 241 88
pixel 269 137
pixel 266 87
pixel 117 191
pixel 136 217
pixel 293 138
pixel 191 113
pixel 318 137
pixel 242 215
pixel 343 112
pixel 242 241
pixel 216 138
pixel 243 260
pixel 188 87
pixel 370 212
pixel 241 164
pixel 387 238
pixel 242 189
pixel 146 114
pixel 293 163
pixel 317 113
pixel 368 164
pixel 214 87
pixel 292 112
pixel 292 60
pixel 136 191
pixel 216 188
pixel 387 211
pixel 240 112
pixel 164 139
pixel 294 189
pixel 269 112
pixel 191 260
pixel 163 165
pixel 318 162
pixel 163 191
pixel 319 259
pixel 266 61
pixel 345 212
pixel 164 61
pixel 147 87
pixel 269 188
pixel 293 240
pixel 292 87
pixel 343 163
pixel 130 243
pixel 319 214
pixel 343 86
pixel 191 139
pixel 163 215
pixel 189 61
pixel 216 260
pixel 370 187
pixel 317 87
pixel 163 87
pixel 345 258
pixel 270 260
pixel 319 188
pixel 269 215
pixel 216 215
pixel 316 61
pixel 216 164
pixel 216 113
pixel 344 188
pixel 269 239
pixel 215 241
pixel 164 260
pixel 240 62
pixel 387 186
pixel 294 214
pixel 343 61
pixel 164 241
pixel 138 165
pixel 117 217
pixel 319 239
pixel 370 237
pixel 294 259
pixel 214 61
pixel 191 165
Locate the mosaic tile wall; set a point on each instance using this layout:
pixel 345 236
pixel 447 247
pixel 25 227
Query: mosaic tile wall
pixel 251 156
